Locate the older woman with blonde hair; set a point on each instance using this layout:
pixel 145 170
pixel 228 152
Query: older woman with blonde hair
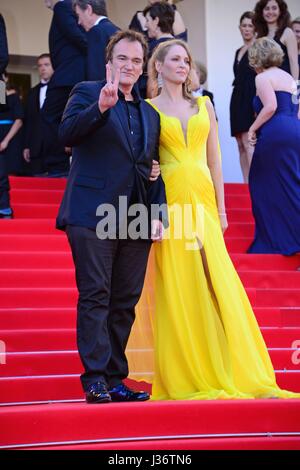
pixel 205 330
pixel 274 179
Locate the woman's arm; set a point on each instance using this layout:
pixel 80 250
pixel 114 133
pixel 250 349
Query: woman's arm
pixel 215 166
pixel 290 41
pixel 267 95
pixel 10 135
pixel 178 25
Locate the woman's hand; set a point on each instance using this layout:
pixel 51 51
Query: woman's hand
pixel 223 221
pixel 252 137
pixel 155 172
pixel 3 145
pixel 157 231
pixel 26 155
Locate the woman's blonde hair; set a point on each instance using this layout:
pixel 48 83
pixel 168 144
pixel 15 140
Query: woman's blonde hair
pixel 159 55
pixel 265 53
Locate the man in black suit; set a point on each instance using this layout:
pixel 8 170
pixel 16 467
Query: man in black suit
pixel 33 140
pixel 115 137
pixel 199 77
pixel 92 16
pixel 5 210
pixel 68 47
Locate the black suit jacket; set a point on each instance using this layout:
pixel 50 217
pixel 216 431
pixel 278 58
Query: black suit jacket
pixel 103 165
pixel 67 45
pixel 33 138
pixel 3 46
pixel 98 38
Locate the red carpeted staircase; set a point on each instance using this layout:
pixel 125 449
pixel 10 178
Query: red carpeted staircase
pixel 41 402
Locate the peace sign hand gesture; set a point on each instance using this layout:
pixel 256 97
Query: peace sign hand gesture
pixel 109 93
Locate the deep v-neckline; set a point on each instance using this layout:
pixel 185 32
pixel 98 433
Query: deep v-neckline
pixel 185 135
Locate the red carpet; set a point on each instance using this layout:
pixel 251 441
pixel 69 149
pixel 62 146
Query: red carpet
pixel 37 325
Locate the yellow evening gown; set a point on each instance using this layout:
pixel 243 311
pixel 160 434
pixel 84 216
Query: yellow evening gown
pixel 207 343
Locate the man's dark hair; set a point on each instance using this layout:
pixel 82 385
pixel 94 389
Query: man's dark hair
pixel 130 36
pixel 165 13
pixel 46 55
pixel 98 6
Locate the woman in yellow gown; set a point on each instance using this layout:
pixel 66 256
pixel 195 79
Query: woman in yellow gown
pixel 207 343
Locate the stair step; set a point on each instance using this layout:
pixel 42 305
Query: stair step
pixel 51 423
pixel 240 229
pixel 57 339
pixel 59 242
pixel 277 317
pixel 235 201
pixel 46 211
pixel 68 387
pixel 34 242
pixel 29 227
pixel 66 278
pixel 246 262
pixel 47 226
pixel 17 182
pixel 68 362
pixel 227 443
pixel 36 260
pixel 35 211
pixel 237 244
pixel 240 216
pixel 23 297
pixel 38 318
pixel 270 279
pixel 277 297
pixel 37 278
pixel 33 196
pixel 65 317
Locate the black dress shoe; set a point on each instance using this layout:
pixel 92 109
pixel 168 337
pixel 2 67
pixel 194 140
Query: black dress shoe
pixel 97 393
pixel 6 215
pixel 123 393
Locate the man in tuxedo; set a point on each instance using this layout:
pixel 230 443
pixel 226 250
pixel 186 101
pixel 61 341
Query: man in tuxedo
pixel 199 77
pixel 115 138
pixel 33 140
pixel 5 209
pixel 68 47
pixel 92 16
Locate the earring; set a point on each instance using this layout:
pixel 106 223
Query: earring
pixel 160 80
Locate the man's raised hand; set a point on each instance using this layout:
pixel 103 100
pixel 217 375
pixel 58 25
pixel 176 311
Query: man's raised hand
pixel 109 93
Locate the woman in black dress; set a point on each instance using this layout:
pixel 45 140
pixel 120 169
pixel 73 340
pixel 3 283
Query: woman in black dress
pixel 11 121
pixel 273 19
pixel 241 105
